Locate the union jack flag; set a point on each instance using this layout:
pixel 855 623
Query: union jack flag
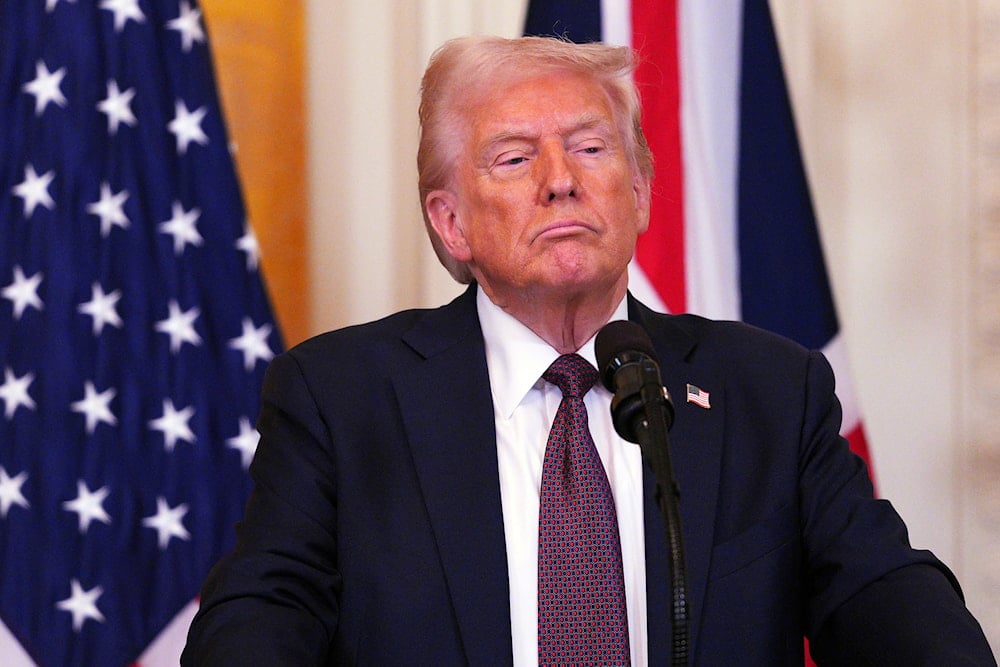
pixel 134 327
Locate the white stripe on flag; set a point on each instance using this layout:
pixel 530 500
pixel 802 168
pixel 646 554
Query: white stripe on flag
pixel 709 41
pixel 616 22
pixel 11 652
pixel 165 651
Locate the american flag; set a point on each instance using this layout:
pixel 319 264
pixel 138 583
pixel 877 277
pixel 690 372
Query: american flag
pixel 134 327
pixel 698 396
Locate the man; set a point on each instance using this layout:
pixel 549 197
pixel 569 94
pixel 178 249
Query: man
pixel 404 506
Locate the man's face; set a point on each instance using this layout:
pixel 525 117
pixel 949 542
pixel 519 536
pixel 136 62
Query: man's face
pixel 543 199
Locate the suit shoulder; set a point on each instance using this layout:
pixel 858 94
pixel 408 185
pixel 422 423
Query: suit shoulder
pixel 356 338
pixel 719 336
pixel 397 338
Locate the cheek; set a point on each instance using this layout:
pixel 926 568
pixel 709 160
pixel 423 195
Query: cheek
pixel 632 206
pixel 499 216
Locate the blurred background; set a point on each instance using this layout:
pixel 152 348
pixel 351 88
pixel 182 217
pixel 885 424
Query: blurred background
pixel 898 111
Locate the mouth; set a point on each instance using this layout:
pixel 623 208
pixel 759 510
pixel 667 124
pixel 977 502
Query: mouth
pixel 563 229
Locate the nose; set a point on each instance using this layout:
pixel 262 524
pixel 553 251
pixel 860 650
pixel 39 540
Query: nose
pixel 559 179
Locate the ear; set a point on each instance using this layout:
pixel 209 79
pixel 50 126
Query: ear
pixel 641 190
pixel 442 212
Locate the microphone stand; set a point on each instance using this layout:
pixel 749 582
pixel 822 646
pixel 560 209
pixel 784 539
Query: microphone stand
pixel 651 427
pixel 643 413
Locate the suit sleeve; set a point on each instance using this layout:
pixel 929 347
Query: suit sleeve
pixel 872 599
pixel 273 600
pixel 911 616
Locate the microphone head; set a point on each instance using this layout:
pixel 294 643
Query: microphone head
pixel 616 340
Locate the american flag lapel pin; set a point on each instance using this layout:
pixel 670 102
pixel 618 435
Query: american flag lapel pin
pixel 698 396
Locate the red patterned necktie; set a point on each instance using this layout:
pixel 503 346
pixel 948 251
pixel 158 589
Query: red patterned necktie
pixel 581 588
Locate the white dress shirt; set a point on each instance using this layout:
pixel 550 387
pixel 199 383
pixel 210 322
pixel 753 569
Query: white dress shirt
pixel 524 406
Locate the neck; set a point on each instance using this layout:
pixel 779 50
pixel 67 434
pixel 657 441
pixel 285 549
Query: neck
pixel 564 321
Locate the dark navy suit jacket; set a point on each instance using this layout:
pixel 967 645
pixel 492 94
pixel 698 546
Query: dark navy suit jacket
pixel 374 534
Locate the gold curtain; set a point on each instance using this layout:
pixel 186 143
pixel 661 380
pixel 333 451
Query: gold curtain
pixel 258 49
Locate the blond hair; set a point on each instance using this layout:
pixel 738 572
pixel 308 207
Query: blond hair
pixel 463 70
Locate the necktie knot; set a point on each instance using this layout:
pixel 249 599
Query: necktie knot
pixel 572 374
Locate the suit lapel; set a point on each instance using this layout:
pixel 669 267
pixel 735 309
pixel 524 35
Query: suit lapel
pixel 696 455
pixel 447 410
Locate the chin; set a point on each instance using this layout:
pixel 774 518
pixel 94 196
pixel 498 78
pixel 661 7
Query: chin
pixel 587 282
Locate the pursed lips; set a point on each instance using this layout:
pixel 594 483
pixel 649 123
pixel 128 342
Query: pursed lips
pixel 564 228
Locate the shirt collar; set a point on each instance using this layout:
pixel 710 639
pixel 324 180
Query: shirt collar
pixel 516 356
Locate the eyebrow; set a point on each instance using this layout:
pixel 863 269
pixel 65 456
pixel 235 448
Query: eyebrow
pixel 584 122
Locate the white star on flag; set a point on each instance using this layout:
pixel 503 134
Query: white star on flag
pixel 45 87
pixel 248 244
pixel 174 425
pixel 96 407
pixel 10 492
pixel 102 307
pixel 253 343
pixel 246 442
pixel 88 505
pixel 23 292
pixel 123 11
pixel 109 209
pixel 34 190
pixel 186 126
pixel 187 24
pixel 117 105
pixel 167 522
pixel 179 325
pixel 82 604
pixel 182 226
pixel 14 392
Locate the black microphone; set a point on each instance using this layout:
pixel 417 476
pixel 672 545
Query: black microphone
pixel 629 369
pixel 643 413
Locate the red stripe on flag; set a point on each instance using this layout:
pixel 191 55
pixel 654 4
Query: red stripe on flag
pixel 660 251
pixel 859 445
